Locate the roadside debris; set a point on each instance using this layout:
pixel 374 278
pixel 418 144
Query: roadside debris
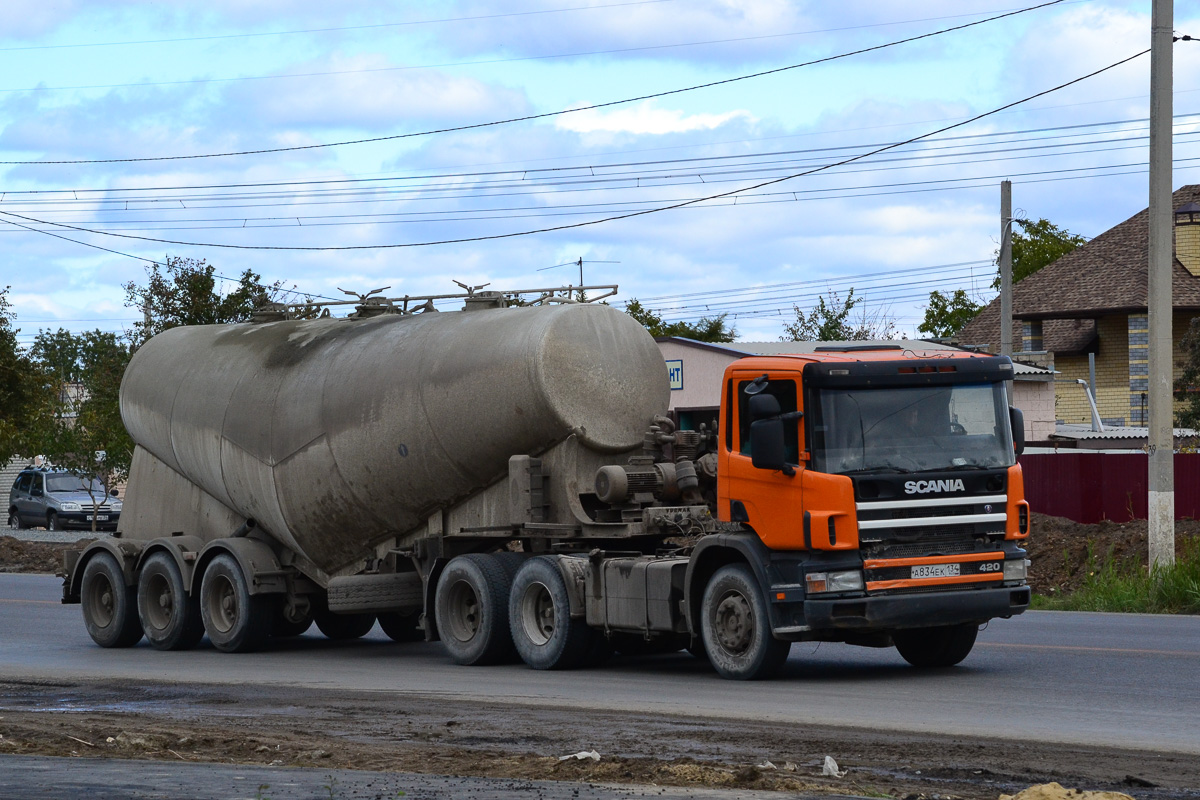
pixel 1055 791
pixel 830 769
pixel 581 755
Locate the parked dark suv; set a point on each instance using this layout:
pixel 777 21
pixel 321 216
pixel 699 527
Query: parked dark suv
pixel 58 499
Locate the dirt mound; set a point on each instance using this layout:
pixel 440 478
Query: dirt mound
pixel 21 556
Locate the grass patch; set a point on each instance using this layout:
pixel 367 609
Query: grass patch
pixel 1114 584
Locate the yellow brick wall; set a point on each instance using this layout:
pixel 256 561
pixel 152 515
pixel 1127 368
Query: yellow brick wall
pixel 1113 398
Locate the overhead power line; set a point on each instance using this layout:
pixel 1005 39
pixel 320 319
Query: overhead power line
pixel 643 212
pixel 530 117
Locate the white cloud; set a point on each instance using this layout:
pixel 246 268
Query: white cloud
pixel 645 119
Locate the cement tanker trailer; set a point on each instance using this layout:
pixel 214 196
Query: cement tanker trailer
pixel 506 480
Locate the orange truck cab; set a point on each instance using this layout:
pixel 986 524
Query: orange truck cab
pixel 883 488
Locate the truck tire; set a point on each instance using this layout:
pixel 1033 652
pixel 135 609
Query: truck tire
pixel 936 647
pixel 235 620
pixel 539 613
pixel 283 628
pixel 734 622
pixel 109 606
pixel 341 627
pixel 402 627
pixel 471 608
pixel 170 617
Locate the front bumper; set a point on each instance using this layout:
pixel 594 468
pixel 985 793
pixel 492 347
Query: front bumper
pixel 924 610
pixel 79 519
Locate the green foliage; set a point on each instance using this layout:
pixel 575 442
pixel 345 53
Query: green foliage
pixel 831 322
pixel 946 315
pixel 25 391
pixel 1127 586
pixel 1036 245
pixel 185 292
pixel 82 430
pixel 708 329
pixel 1187 385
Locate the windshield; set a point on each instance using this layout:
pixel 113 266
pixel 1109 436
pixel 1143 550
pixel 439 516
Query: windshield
pixel 72 483
pixel 911 429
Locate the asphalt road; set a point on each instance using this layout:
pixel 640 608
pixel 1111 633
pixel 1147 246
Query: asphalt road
pixel 1106 679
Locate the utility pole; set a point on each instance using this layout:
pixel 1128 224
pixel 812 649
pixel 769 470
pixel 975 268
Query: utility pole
pixel 1161 438
pixel 1006 309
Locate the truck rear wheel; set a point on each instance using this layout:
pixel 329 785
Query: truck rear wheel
pixel 539 612
pixel 736 627
pixel 170 617
pixel 936 647
pixel 235 620
pixel 109 606
pixel 471 608
pixel 340 627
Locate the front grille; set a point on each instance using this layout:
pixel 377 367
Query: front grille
pixel 941 547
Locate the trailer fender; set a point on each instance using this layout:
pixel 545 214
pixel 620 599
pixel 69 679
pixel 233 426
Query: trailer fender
pixel 126 554
pixel 184 549
pixel 574 571
pixel 264 573
pixel 710 554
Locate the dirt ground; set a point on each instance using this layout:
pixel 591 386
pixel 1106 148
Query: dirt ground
pixel 1058 548
pixel 406 733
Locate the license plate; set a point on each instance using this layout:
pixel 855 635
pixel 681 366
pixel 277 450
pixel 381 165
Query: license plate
pixel 935 571
pixel 99 517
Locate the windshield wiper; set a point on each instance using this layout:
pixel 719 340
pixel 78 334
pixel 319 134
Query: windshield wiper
pixel 883 468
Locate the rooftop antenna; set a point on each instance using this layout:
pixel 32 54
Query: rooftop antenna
pixel 578 263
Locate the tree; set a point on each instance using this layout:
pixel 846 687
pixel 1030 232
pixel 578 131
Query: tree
pixel 185 292
pixel 946 315
pixel 24 390
pixel 708 329
pixel 1187 385
pixel 1036 245
pixel 831 322
pixel 83 432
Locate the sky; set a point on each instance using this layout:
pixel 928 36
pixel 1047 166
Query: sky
pixel 409 145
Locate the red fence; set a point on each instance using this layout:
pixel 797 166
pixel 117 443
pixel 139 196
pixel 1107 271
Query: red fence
pixel 1090 487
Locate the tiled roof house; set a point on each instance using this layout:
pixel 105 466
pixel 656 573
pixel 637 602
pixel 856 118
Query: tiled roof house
pixel 1093 300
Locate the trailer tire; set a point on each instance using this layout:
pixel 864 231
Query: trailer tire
pixel 936 647
pixel 471 609
pixel 235 620
pixel 735 625
pixel 169 616
pixel 402 627
pixel 539 613
pixel 109 606
pixel 341 627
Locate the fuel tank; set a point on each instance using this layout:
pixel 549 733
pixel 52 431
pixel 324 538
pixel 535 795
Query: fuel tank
pixel 335 434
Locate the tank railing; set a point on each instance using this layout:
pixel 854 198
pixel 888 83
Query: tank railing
pixel 415 304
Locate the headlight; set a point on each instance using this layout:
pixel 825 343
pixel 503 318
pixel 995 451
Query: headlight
pixel 846 581
pixel 115 505
pixel 1015 569
pixel 70 507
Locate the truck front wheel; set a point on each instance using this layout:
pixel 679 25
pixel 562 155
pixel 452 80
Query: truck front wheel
pixel 539 612
pixel 235 620
pixel 170 617
pixel 936 647
pixel 471 608
pixel 109 606
pixel 736 628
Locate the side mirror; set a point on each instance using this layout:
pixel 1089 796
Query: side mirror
pixel 763 406
pixel 1017 420
pixel 113 492
pixel 766 445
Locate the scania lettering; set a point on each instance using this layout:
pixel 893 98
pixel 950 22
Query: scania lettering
pixel 506 480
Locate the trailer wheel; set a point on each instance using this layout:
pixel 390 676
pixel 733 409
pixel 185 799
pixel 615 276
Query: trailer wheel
pixel 109 606
pixel 341 627
pixel 936 647
pixel 235 620
pixel 735 627
pixel 402 627
pixel 539 612
pixel 471 608
pixel 170 617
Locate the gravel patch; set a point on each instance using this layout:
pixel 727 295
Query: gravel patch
pixel 60 537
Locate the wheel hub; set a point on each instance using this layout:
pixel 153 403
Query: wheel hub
pixel 734 623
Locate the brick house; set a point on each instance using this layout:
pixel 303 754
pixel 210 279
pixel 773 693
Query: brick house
pixel 1093 301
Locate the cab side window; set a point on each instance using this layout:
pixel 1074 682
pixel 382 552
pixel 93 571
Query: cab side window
pixel 785 392
pixel 37 489
pixel 24 482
